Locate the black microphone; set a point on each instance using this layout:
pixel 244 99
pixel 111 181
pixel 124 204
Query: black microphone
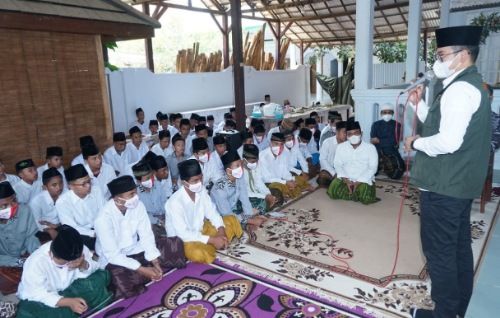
pixel 429 75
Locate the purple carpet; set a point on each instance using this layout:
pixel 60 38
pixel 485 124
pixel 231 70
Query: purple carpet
pixel 201 290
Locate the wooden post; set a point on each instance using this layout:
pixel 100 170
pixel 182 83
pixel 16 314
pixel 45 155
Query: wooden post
pixel 148 44
pixel 225 41
pixel 238 69
pixel 278 46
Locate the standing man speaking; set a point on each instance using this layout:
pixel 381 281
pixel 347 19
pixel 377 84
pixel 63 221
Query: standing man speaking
pixel 450 167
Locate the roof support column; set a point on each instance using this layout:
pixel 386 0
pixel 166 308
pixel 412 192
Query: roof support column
pixel 277 41
pixel 444 19
pixel 148 44
pixel 238 68
pixel 365 15
pixel 225 41
pixel 302 53
pixel 413 42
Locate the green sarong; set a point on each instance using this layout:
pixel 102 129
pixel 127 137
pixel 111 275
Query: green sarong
pixel 364 192
pixel 93 289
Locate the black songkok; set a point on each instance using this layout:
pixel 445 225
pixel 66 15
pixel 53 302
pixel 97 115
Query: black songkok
pixel 158 163
pixel 310 121
pixel 201 127
pixel 119 136
pixel 86 140
pixel 189 168
pixel 250 151
pixel 229 157
pixel 68 244
pixel 153 122
pixel 49 174
pixel 341 125
pixel 199 144
pixel 164 134
pixel 277 136
pixel 54 151
pixel 459 35
pixel 134 130
pixel 75 172
pixel 141 169
pixel 121 185
pixel 23 164
pixel 6 190
pixel 352 125
pixel 90 150
pixel 219 140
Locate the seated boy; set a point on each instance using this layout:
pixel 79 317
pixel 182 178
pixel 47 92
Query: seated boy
pixel 149 190
pixel 17 229
pixel 126 244
pixel 330 130
pixel 138 147
pixel 201 153
pixel 304 138
pixel 53 157
pixel 163 147
pixel 7 177
pixel 80 206
pixel 327 155
pixel 175 157
pixel 259 136
pixel 259 194
pixel 356 163
pixel 84 141
pixel 62 280
pixel 29 185
pixel 117 155
pixel 100 172
pixel 192 216
pixel 43 205
pixel 230 193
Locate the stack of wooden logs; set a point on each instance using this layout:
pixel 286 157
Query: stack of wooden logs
pixel 191 61
pixel 254 55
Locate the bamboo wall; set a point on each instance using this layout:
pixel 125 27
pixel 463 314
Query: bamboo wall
pixel 52 90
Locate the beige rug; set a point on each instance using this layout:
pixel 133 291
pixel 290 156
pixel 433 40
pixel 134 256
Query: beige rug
pixel 345 251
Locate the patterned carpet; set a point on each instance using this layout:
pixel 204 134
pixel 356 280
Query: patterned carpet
pixel 344 251
pixel 200 291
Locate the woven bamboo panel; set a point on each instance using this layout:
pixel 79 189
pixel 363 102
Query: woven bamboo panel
pixel 53 91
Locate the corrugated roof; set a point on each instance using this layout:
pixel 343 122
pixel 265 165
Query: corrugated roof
pixel 462 5
pixel 98 10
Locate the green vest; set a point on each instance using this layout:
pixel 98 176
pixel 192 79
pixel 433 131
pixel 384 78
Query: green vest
pixel 462 173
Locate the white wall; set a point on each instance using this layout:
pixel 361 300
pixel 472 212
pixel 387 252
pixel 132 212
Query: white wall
pixel 387 74
pixel 132 88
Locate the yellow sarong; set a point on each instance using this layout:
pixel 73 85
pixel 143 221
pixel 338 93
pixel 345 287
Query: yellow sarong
pixel 301 184
pixel 205 253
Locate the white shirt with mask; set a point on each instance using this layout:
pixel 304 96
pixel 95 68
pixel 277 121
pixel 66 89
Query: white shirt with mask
pixel 357 164
pixel 42 279
pixel 119 162
pixel 80 213
pixel 255 184
pixel 458 104
pixel 327 155
pixel 26 192
pixel 275 169
pixel 185 218
pixel 120 235
pixel 153 199
pixel 105 176
pixel 43 208
pixel 136 154
pixel 297 157
pixel 326 133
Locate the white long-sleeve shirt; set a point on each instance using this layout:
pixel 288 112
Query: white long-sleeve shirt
pixel 162 152
pixel 80 213
pixel 255 184
pixel 119 162
pixel 327 155
pixel 184 218
pixel 211 170
pixel 78 159
pixel 12 179
pixel 42 280
pixel 275 169
pixel 261 145
pixel 41 170
pixel 25 192
pixel 296 156
pixel 106 175
pixel 136 154
pixel 43 208
pixel 144 127
pixel 358 165
pixel 120 235
pixel 458 103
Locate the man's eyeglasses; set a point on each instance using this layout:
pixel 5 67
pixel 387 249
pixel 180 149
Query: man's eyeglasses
pixel 439 57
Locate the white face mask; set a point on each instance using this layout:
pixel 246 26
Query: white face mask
pixel 276 150
pixel 259 138
pixel 289 144
pixel 8 212
pixel 442 69
pixel 354 139
pixel 313 130
pixel 148 183
pixel 251 165
pixel 333 128
pixel 303 144
pixel 196 188
pixel 386 117
pixel 132 203
pixel 203 158
pixel 237 173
